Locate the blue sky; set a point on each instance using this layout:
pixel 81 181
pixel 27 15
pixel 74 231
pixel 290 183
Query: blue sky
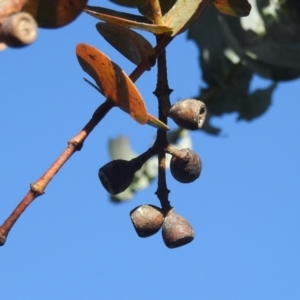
pixel 74 243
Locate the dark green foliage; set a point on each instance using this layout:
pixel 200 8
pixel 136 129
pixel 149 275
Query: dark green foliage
pixel 232 50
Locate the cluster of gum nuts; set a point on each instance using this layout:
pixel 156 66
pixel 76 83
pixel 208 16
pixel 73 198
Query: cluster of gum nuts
pixel 185 166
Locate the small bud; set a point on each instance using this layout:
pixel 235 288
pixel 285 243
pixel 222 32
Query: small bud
pixel 147 220
pixel 176 230
pixel 117 175
pixel 187 167
pixel 188 113
pixel 19 30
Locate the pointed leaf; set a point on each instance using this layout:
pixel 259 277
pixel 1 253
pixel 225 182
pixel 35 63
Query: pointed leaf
pixel 131 44
pixel 236 8
pixel 126 20
pixel 275 54
pixel 54 14
pixel 112 81
pixel 154 122
pixel 257 103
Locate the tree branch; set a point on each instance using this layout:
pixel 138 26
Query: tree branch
pixel 162 92
pixel 75 144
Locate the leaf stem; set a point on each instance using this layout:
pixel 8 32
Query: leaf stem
pixel 146 63
pixel 174 152
pixel 156 12
pixel 141 159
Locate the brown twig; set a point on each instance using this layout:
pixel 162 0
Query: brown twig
pixel 144 65
pixel 75 144
pixel 162 92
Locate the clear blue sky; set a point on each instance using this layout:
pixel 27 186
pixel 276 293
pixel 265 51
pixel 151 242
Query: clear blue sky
pixel 73 243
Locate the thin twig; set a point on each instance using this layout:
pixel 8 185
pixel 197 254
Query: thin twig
pixel 38 188
pixel 162 92
pixel 75 144
pixel 145 64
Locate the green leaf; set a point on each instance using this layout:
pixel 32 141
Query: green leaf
pixel 257 103
pixel 126 20
pixel 236 8
pixel 209 128
pixel 228 80
pixel 262 54
pixel 276 54
pixel 266 42
pixel 131 44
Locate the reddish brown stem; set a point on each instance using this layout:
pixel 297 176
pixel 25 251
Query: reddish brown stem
pixel 145 64
pixel 38 188
pixel 75 144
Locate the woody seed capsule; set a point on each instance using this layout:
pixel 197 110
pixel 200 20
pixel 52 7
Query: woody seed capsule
pixel 186 168
pixel 176 230
pixel 188 113
pixel 146 219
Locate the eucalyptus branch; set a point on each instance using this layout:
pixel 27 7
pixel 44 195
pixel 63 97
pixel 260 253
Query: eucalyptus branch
pixel 38 188
pixel 75 144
